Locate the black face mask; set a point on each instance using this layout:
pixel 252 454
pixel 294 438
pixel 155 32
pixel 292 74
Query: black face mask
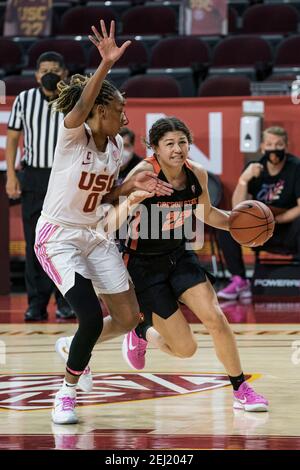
pixel 280 154
pixel 50 80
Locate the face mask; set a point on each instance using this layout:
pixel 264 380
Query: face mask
pixel 127 156
pixel 280 154
pixel 50 80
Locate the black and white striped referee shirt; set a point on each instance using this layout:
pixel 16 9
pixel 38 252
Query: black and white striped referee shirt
pixel 31 114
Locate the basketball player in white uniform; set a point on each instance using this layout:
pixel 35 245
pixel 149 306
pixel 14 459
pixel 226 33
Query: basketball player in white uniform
pixel 75 256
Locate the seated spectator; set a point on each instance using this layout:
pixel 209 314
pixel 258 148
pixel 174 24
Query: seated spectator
pixel 130 159
pixel 275 181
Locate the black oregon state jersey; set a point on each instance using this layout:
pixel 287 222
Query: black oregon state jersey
pixel 162 224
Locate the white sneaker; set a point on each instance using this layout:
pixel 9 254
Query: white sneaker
pixel 62 347
pixel 63 411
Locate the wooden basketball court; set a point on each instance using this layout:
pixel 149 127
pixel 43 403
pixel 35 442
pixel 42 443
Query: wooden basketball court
pixel 171 404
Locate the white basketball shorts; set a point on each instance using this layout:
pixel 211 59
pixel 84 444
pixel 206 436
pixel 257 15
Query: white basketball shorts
pixel 62 251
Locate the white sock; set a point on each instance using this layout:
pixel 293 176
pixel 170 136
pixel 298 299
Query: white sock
pixel 66 386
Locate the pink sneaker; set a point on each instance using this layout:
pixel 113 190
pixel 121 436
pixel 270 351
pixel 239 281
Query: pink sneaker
pixel 134 350
pixel 238 287
pixel 245 398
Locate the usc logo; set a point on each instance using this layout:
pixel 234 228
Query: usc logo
pixel 98 184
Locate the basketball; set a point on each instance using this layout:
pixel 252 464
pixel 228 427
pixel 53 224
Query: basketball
pixel 251 223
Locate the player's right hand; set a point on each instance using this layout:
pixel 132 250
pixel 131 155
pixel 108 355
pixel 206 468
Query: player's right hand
pixel 252 171
pixel 13 188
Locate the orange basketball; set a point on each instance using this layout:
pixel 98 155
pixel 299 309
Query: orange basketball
pixel 251 223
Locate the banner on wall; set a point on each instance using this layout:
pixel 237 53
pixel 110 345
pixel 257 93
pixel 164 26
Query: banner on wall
pixel 28 18
pixel 204 17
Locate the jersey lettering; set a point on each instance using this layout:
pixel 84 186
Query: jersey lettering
pixel 176 219
pixel 98 184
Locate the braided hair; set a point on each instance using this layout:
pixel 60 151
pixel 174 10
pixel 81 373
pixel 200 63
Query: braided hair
pixel 69 93
pixel 164 125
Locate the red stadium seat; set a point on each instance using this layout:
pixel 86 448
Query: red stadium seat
pixel 78 20
pixel 149 20
pixel 241 55
pixel 225 86
pixel 143 86
pixel 184 58
pixel 183 51
pixel 264 19
pixel 287 58
pixel 71 50
pixel 17 83
pixel 11 56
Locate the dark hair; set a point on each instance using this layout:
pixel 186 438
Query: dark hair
pixel 164 125
pixel 69 93
pixel 125 131
pixel 51 56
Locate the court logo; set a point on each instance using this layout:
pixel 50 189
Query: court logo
pixel 33 392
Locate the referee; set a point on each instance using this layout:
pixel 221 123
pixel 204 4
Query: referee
pixel 32 116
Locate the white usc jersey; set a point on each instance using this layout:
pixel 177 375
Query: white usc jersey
pixel 81 175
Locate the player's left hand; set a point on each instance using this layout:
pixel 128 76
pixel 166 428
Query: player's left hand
pixel 148 181
pixel 106 44
pixel 136 197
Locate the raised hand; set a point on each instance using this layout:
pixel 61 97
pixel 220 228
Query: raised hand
pixel 106 45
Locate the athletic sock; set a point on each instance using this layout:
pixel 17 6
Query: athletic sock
pixel 68 385
pixel 141 330
pixel 237 381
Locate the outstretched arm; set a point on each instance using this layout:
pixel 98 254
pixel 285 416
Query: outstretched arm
pixel 141 177
pixel 109 53
pixel 117 215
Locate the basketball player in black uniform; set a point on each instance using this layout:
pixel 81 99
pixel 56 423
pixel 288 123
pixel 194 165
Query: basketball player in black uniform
pixel 165 272
pixel 163 268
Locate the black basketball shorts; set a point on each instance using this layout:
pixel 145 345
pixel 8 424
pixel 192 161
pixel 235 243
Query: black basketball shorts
pixel 160 280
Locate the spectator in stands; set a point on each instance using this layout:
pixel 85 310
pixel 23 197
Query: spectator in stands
pixel 275 181
pixel 32 116
pixel 130 158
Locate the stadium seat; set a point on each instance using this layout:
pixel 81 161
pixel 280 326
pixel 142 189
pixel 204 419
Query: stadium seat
pixel 143 86
pixel 183 51
pixel 17 83
pixel 287 59
pixel 71 50
pixel 225 86
pixel 11 57
pixel 149 20
pixel 270 19
pixel 78 20
pixel 184 58
pixel 246 55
